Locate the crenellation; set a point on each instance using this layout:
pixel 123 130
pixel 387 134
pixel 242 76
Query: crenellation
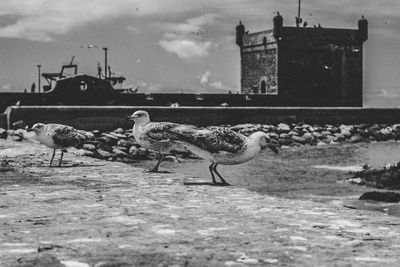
pixel 304 66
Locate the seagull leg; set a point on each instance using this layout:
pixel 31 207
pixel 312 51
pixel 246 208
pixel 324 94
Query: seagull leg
pixel 212 174
pixel 62 155
pixel 219 175
pixel 54 153
pixel 160 158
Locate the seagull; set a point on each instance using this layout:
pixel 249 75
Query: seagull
pixel 155 135
pixel 58 136
pixel 218 145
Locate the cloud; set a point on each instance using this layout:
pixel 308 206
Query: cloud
pixel 149 87
pixel 133 29
pixel 44 20
pixel 193 25
pixel 6 87
pixel 187 49
pixel 185 40
pixel 220 86
pixel 204 77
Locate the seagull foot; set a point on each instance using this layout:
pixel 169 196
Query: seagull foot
pixel 152 171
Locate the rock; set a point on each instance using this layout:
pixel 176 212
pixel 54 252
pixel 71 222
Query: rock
pixel 326 133
pixel 119 152
pixel 386 131
pixel 138 151
pixel 104 154
pixel 346 128
pixel 84 152
pixel 285 139
pixel 381 196
pixel 345 133
pixel 131 142
pixel 122 143
pixel 19 125
pixel 119 131
pixel 3 133
pixel 171 159
pixel 96 133
pixel 338 137
pixel 292 133
pixel 106 139
pixel 283 128
pixel 333 129
pixel 363 133
pixel 318 135
pixel 118 135
pixel 330 138
pixel 273 135
pixel 133 150
pixel 89 147
pixel 356 138
pixel 309 137
pixel 299 139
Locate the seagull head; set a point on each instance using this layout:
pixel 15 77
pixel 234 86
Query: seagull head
pixel 38 127
pixel 140 117
pixel 264 141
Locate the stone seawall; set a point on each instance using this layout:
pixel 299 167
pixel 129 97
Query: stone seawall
pixel 112 117
pixel 99 213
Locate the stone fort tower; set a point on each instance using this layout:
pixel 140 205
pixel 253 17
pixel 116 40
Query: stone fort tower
pixel 303 66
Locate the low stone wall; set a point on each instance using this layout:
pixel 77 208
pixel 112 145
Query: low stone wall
pixel 112 117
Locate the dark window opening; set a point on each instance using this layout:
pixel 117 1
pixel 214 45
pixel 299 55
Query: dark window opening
pixel 263 87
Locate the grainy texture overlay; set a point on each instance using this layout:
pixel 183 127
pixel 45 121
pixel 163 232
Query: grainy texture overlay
pixel 100 213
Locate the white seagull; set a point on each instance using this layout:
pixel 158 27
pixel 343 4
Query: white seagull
pixel 58 136
pixel 216 144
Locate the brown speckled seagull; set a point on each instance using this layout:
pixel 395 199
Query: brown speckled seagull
pixel 216 144
pixel 58 136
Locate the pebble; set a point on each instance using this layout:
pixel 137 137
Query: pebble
pixel 120 144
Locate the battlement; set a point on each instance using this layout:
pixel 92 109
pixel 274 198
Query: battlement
pixel 295 65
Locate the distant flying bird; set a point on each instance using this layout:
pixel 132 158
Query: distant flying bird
pixel 216 144
pixel 89 46
pixel 58 136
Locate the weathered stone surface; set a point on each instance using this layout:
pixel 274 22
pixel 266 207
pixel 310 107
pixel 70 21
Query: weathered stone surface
pixel 103 213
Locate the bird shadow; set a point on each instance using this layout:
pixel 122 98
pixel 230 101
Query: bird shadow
pixel 149 171
pixel 205 183
pixel 74 166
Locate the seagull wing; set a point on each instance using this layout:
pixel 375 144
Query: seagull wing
pixel 67 136
pixel 161 131
pixel 213 140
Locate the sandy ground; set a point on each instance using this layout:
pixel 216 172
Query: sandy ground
pixel 99 213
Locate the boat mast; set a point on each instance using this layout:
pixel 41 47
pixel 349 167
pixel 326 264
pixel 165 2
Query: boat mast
pixel 39 78
pixel 105 62
pixel 298 18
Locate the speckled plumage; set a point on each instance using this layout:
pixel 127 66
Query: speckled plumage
pixel 58 136
pixel 217 144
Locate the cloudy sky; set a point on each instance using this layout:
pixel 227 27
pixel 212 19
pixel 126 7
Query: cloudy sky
pixel 174 45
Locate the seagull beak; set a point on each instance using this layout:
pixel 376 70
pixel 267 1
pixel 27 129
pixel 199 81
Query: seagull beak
pixel 273 148
pixel 131 118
